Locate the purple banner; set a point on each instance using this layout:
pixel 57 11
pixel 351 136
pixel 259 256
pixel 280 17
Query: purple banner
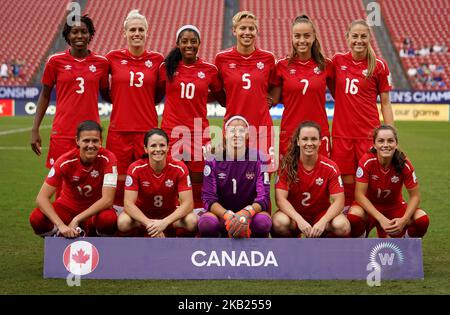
pixel 207 258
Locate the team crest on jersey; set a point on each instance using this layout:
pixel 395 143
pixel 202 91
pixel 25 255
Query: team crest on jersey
pixel 201 75
pixel 222 175
pixel 341 183
pixel 375 177
pixel 148 64
pixel 319 181
pixel 250 175
pixel 364 72
pixel 68 67
pixel 95 174
pixel 232 66
pixel 395 179
pixel 146 184
pixel 92 68
pixel 51 173
pixel 292 71
pixel 51 161
pixel 129 181
pixel 317 70
pixel 169 183
pixel 343 68
pixel 123 62
pixel 359 172
pixel 260 65
pixel 414 177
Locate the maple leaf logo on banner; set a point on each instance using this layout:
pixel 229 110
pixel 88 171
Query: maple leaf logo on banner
pixel 80 257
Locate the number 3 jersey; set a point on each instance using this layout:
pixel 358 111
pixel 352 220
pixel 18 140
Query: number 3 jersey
pixel 82 184
pixel 133 86
pixel 236 184
pixel 77 87
pixel 310 194
pixel 384 185
pixel 157 192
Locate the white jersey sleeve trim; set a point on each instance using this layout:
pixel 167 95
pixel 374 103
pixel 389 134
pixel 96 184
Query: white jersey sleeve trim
pixel 330 166
pixel 177 166
pixel 103 157
pixel 137 167
pixel 369 160
pixel 68 161
pixel 110 180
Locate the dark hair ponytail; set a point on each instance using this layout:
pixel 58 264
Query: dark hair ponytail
pixel 172 60
pixel 154 131
pixel 399 158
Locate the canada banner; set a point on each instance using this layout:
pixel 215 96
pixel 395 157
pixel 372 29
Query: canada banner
pixel 209 258
pixel 80 258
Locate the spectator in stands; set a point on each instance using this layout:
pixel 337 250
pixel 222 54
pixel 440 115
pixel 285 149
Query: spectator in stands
pixel 134 95
pixel 360 77
pixel 379 202
pixel 78 74
pixel 306 182
pixel 303 77
pixel 158 193
pixel 186 103
pixel 411 52
pixel 4 71
pixel 236 187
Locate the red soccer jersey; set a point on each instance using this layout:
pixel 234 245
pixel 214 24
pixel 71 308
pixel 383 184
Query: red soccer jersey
pixel 82 185
pixel 356 113
pixel 384 185
pixel 133 86
pixel 77 85
pixel 157 193
pixel 187 94
pixel 310 195
pixel 303 85
pixel 246 80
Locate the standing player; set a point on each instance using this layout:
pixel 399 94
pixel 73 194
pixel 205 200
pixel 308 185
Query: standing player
pixel 236 188
pixel 248 73
pixel 134 79
pixel 379 182
pixel 303 77
pixel 88 175
pixel 187 79
pixel 307 181
pixel 360 77
pixel 78 75
pixel 158 193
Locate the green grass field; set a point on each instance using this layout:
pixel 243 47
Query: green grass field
pixel 21 174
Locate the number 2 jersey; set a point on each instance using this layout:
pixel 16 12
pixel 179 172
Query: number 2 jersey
pixel 385 185
pixel 157 192
pixel 133 86
pixel 78 82
pixel 82 184
pixel 356 113
pixel 310 195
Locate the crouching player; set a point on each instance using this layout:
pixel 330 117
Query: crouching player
pixel 158 193
pixel 236 188
pixel 306 181
pixel 379 182
pixel 88 175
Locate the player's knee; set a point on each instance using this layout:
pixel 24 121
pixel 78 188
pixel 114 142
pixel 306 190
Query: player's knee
pixel 341 225
pixel 261 225
pixel 209 225
pixel 191 222
pixel 106 223
pixel 40 223
pixel 280 223
pixel 124 222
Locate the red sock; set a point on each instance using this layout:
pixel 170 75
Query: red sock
pixel 349 191
pixel 358 226
pixel 419 227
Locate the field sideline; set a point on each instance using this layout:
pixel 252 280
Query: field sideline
pixel 21 174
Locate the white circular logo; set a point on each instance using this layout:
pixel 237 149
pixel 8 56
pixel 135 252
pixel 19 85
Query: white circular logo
pixel 207 170
pixel 52 172
pixel 80 258
pixel 129 181
pixel 359 172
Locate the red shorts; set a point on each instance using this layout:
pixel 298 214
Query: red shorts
pixel 57 147
pixel 192 152
pixel 347 153
pixel 127 146
pixel 325 145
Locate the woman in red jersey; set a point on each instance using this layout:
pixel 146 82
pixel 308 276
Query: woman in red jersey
pixel 78 74
pixel 307 181
pixel 158 193
pixel 248 73
pixel 359 78
pixel 379 202
pixel 303 77
pixel 134 79
pixel 187 79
